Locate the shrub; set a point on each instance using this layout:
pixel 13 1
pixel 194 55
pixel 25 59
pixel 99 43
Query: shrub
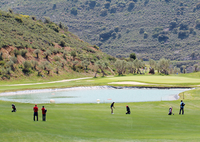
pixel 103 12
pixel 27 66
pixel 1 56
pixel 74 11
pixel 133 56
pixel 145 35
pixel 37 51
pixel 183 26
pixel 162 38
pixel 198 24
pixel 116 29
pixel 96 47
pixel 16 52
pixel 23 52
pixel 92 3
pixel 183 34
pixel 113 9
pixel 18 19
pixel 56 58
pixel 107 5
pixel 172 25
pixel 47 20
pixel 14 59
pixel 62 43
pixel 198 6
pixel 131 5
pixel 141 30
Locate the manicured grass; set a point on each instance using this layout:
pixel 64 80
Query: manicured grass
pixel 151 80
pixel 148 121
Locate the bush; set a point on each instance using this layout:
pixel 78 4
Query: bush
pixel 162 38
pixel 62 43
pixel 172 25
pixel 183 26
pixel 183 34
pixel 116 29
pixel 56 58
pixel 92 3
pixel 23 52
pixel 107 5
pixel 198 24
pixel 141 30
pixel 145 35
pixel 1 56
pixel 103 12
pixel 113 9
pixel 16 52
pixel 131 5
pixel 96 47
pixel 198 6
pixel 14 59
pixel 74 11
pixel 18 19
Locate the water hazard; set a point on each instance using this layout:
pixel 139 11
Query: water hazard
pixel 102 94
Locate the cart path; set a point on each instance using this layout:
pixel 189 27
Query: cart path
pixel 66 80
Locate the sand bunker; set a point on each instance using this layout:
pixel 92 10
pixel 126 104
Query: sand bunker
pixel 132 83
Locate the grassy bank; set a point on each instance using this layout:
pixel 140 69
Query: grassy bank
pixel 93 122
pixel 191 80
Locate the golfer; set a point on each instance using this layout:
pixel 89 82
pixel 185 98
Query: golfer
pixel 35 114
pixel 182 104
pixel 128 110
pixel 43 113
pixel 14 108
pixel 112 106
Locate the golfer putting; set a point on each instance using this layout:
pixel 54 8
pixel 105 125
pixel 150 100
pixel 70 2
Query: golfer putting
pixel 111 107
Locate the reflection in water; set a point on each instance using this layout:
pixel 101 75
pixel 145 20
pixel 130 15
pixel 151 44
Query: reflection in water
pixel 104 94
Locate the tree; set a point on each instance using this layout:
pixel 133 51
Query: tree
pixel 130 66
pixel 10 64
pixel 47 53
pixel 85 63
pixel 27 66
pixel 74 64
pixel 152 64
pixel 34 64
pixel 121 66
pixel 73 54
pixel 133 56
pixel 164 65
pixel 23 52
pixel 138 64
pixel 58 65
pixel 37 51
pixel 1 56
pixel 101 65
pixel 74 11
pixel 196 67
pixel 65 54
pixel 16 52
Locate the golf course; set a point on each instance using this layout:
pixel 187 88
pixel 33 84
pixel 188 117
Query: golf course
pixel 148 121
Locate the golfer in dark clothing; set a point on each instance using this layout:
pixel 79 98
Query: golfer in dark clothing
pixel 182 104
pixel 112 106
pixel 35 109
pixel 14 108
pixel 128 110
pixel 43 113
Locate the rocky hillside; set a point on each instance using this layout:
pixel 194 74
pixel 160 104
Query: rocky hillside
pixel 150 28
pixel 35 48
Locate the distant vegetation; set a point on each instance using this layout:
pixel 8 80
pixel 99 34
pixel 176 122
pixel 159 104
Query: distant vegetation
pixel 33 47
pixel 150 28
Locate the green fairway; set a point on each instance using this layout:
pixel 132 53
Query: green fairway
pixel 148 121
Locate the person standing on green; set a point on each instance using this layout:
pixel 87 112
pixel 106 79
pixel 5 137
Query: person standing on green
pixel 112 106
pixel 182 104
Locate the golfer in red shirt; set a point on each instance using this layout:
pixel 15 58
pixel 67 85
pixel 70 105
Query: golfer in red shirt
pixel 35 109
pixel 43 113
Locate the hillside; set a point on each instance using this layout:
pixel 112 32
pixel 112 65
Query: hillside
pixel 150 28
pixel 33 48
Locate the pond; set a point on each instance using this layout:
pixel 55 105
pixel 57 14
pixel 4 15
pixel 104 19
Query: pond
pixel 97 94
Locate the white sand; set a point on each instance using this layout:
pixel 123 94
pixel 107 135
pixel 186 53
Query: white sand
pixel 132 83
